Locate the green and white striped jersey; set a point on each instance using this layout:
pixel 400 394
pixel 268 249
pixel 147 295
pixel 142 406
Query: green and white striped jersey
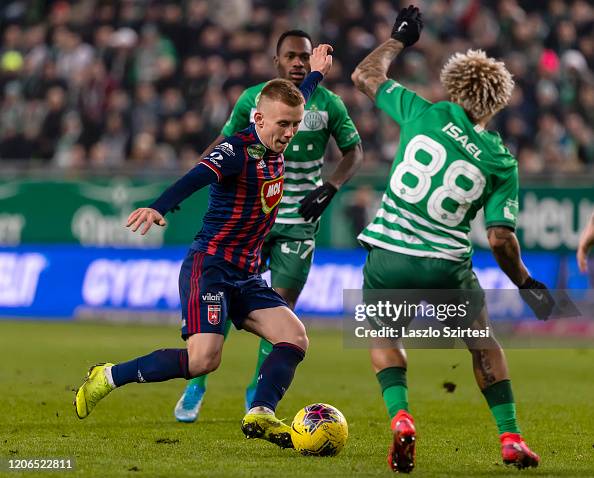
pixel 445 170
pixel 325 115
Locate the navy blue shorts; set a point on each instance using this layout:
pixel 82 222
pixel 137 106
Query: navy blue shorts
pixel 213 290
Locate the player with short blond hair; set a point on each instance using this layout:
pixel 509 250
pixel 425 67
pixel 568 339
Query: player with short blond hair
pixel 219 279
pixel 289 248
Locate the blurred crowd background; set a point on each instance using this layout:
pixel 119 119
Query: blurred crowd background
pixel 106 84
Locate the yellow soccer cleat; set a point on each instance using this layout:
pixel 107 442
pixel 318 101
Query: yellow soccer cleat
pixel 93 389
pixel 267 427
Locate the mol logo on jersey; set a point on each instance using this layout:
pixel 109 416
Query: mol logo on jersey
pixel 271 194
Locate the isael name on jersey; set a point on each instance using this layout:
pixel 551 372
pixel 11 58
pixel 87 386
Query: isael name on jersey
pixel 457 133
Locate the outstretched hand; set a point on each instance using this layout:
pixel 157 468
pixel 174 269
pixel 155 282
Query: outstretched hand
pixel 146 216
pixel 408 25
pixel 321 58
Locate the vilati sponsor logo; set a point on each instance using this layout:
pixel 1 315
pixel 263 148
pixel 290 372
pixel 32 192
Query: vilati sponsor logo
pixel 271 194
pixel 210 297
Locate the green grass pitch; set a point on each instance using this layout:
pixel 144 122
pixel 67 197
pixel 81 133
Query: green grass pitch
pixel 133 432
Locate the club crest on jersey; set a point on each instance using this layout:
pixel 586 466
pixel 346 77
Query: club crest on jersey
pixel 313 120
pixel 256 151
pixel 214 314
pixel 271 194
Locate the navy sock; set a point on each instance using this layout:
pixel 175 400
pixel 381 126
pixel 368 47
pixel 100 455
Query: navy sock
pixel 157 366
pixel 276 374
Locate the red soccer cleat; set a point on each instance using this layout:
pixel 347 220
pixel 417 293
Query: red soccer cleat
pixel 401 454
pixel 515 452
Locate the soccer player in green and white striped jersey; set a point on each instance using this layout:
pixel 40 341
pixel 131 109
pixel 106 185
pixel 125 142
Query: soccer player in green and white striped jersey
pixel 289 247
pixel 447 167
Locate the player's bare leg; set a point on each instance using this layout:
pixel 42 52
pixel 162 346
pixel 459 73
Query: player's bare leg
pixel 492 376
pixel 389 362
pixel 204 353
pixel 281 327
pixel 188 406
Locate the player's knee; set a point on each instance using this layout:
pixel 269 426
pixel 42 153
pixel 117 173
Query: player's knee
pixel 302 341
pixel 296 335
pixel 201 364
pixel 300 337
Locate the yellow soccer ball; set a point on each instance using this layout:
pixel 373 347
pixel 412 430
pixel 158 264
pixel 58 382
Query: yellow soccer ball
pixel 319 429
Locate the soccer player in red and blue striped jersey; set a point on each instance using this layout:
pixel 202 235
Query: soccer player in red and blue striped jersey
pixel 219 277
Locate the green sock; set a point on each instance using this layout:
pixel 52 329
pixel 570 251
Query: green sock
pixel 501 402
pixel 392 380
pixel 263 351
pixel 201 381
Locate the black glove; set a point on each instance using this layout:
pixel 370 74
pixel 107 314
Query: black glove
pixel 408 25
pixel 538 297
pixel 313 205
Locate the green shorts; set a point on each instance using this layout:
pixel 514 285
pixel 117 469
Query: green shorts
pixel 288 252
pixel 391 270
pixel 387 271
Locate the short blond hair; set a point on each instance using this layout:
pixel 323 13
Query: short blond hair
pixel 481 85
pixel 283 90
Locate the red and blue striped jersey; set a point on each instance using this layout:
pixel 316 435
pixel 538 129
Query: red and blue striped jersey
pixel 246 186
pixel 243 202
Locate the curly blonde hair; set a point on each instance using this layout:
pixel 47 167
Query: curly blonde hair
pixel 481 85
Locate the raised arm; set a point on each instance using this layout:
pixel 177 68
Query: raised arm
pixel 321 62
pixel 373 70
